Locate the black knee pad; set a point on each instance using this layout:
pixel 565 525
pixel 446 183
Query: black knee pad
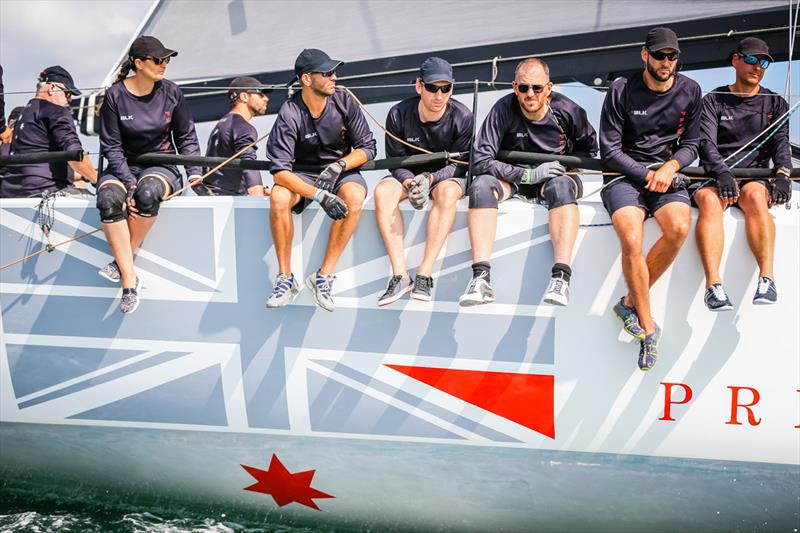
pixel 111 203
pixel 148 195
pixel 484 192
pixel 561 190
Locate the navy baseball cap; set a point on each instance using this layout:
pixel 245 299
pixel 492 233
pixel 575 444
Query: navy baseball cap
pixel 147 46
pixel 661 38
pixel 313 60
pixel 436 69
pixel 59 74
pixel 753 46
pixel 245 84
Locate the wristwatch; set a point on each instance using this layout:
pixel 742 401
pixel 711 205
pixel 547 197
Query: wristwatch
pixel 342 163
pixel 783 170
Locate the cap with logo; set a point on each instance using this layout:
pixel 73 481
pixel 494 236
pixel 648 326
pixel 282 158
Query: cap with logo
pixel 245 84
pixel 436 69
pixel 313 60
pixel 59 74
pixel 661 38
pixel 148 46
pixel 753 46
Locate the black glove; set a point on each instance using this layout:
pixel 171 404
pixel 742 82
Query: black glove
pixel 327 178
pixel 781 191
pixel 679 181
pixel 420 190
pixel 542 173
pixel 333 205
pixel 129 196
pixel 727 187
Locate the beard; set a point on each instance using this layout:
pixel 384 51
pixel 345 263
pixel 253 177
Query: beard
pixel 655 74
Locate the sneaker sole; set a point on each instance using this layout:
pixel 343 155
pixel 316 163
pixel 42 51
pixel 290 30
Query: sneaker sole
pixel 106 276
pixel 421 297
pixel 637 337
pixel 393 299
pixel 762 301
pixel 719 309
pixel 553 301
pixel 470 302
pixel 313 288
pixel 288 300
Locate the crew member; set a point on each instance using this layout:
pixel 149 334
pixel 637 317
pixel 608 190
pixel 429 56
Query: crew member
pixel 6 137
pixel 318 126
pixel 46 125
pixel 430 120
pixel 141 114
pixel 232 133
pixel 734 115
pixel 651 118
pixel 531 119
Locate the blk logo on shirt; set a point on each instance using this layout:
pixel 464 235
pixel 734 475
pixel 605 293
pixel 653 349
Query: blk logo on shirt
pixel 126 117
pixel 642 113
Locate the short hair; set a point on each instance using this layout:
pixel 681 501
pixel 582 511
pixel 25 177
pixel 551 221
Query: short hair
pixel 532 61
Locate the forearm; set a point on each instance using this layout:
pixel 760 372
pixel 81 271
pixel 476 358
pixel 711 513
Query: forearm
pixel 84 168
pixel 294 183
pixel 355 159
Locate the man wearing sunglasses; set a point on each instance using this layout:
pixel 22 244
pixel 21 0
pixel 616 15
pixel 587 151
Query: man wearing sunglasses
pixel 317 127
pixel 651 119
pixel 531 119
pixel 434 121
pixel 733 115
pixel 46 125
pixel 232 133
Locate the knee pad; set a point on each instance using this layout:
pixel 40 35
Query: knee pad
pixel 111 203
pixel 484 192
pixel 149 192
pixel 561 190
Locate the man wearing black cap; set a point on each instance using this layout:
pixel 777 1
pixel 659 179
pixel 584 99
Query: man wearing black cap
pixel 733 116
pixel 434 121
pixel 650 119
pixel 531 119
pixel 318 126
pixel 46 125
pixel 232 133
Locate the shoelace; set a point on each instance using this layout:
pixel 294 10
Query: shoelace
pixel 763 285
pixel 719 292
pixel 283 284
pixel 558 284
pixel 393 284
pixel 422 283
pixel 324 284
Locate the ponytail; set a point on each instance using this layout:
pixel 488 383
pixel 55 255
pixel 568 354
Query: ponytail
pixel 124 69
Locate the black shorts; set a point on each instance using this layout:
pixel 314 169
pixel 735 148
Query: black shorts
pixel 563 197
pixel 708 184
pixel 624 193
pixel 169 173
pixel 346 177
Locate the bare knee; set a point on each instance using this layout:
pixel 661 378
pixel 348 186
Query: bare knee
pixel 354 198
pixel 677 230
pixel 447 194
pixel 708 202
pixel 281 199
pixel 754 200
pixel 388 194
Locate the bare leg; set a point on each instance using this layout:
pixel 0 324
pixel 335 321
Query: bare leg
pixel 282 226
pixel 675 220
pixel 440 221
pixel 119 239
pixel 759 226
pixel 483 228
pixel 709 233
pixel 388 195
pixel 564 222
pixel 629 225
pixel 353 195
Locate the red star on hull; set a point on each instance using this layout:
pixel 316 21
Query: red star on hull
pixel 283 486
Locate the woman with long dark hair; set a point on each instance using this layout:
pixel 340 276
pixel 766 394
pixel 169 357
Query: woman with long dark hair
pixel 142 113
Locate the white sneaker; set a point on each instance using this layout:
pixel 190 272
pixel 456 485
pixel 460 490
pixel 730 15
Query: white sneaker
pixel 284 292
pixel 478 292
pixel 557 292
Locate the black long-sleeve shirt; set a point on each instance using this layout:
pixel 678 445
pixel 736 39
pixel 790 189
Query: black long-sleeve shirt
pixel 133 125
pixel 451 133
pixel 638 125
pixel 41 127
pixel 565 131
pixel 729 122
pixel 297 137
pixel 231 134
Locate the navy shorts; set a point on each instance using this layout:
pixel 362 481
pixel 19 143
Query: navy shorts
pixel 170 174
pixel 624 193
pixel 462 182
pixel 346 177
pixel 713 184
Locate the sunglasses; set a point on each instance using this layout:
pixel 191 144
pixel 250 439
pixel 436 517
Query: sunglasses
pixel 325 74
pixel 752 60
pixel 159 60
pixel 658 55
pixel 444 89
pixel 67 92
pixel 525 87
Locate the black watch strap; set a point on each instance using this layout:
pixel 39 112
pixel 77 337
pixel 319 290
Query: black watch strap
pixel 342 163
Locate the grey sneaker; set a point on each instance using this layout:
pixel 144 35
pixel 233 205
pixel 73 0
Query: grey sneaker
pixel 478 292
pixel 321 286
pixel 397 288
pixel 630 320
pixel 766 292
pixel 557 292
pixel 422 288
pixel 130 298
pixel 111 272
pixel 648 350
pixel 716 299
pixel 284 292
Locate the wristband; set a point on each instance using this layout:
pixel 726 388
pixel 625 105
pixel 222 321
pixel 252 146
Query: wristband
pixel 317 195
pixel 342 163
pixel 783 170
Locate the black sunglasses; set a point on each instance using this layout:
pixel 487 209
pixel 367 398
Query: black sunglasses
pixel 658 55
pixel 525 87
pixel 752 60
pixel 159 60
pixel 444 89
pixel 327 74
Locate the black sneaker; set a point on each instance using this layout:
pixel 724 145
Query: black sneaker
pixel 397 288
pixel 478 292
pixel 766 292
pixel 422 288
pixel 716 298
pixel 648 350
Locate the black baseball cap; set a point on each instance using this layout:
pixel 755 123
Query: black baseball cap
pixel 313 60
pixel 59 74
pixel 661 38
pixel 147 46
pixel 753 46
pixel 245 84
pixel 436 69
